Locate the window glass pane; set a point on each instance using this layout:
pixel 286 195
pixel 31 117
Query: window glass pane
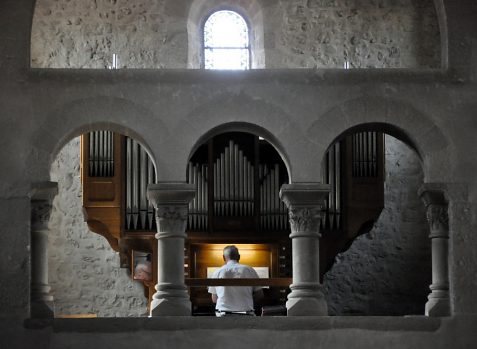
pixel 226 58
pixel 226 43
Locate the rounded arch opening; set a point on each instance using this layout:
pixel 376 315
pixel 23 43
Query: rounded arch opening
pixel 381 127
pixel 226 41
pixel 102 175
pixel 102 126
pixel 245 128
pixel 375 230
pixel 201 10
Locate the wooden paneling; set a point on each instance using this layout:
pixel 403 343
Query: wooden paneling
pixel 102 195
pixel 254 255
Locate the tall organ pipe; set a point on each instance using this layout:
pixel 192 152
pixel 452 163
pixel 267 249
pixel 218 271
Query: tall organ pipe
pixel 143 187
pixel 128 182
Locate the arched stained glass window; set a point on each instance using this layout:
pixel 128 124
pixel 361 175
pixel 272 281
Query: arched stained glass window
pixel 226 41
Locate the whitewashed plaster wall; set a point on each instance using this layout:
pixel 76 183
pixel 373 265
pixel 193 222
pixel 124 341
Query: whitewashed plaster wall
pixel 297 33
pixel 84 271
pixel 387 271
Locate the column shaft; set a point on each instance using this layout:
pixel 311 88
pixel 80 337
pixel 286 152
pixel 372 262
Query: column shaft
pixel 42 196
pixel 305 257
pixel 304 202
pixel 437 216
pixel 171 202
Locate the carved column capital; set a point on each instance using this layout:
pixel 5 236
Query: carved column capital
pixel 171 221
pixel 438 220
pixel 304 202
pixel 304 221
pixel 171 201
pixel 41 196
pixel 436 204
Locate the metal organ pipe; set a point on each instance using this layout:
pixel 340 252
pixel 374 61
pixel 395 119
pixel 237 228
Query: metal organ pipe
pixel 101 154
pixel 222 184
pixel 337 190
pixel 151 178
pixel 331 177
pixel 273 212
pixel 135 182
pixel 143 187
pixel 128 182
pixel 198 207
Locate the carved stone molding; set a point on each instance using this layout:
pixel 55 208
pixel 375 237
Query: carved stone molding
pixel 42 195
pixel 304 220
pixel 171 201
pixel 304 202
pixel 171 221
pixel 434 198
pixel 438 219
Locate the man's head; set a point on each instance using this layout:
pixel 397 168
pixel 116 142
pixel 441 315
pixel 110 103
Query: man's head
pixel 231 253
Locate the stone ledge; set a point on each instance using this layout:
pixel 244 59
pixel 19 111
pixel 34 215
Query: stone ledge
pixel 287 76
pixel 169 323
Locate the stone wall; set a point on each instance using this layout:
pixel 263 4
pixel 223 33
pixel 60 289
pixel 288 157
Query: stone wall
pixel 388 270
pixel 85 34
pixel 366 33
pixel 84 271
pixel 298 33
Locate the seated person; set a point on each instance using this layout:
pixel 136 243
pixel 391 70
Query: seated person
pixel 234 300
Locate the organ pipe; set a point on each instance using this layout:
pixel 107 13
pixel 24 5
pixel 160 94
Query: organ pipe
pixel 139 174
pixel 332 176
pixel 198 207
pixel 101 154
pixel 364 162
pixel 273 213
pixel 232 184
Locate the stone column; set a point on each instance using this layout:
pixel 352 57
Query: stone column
pixel 42 195
pixel 304 202
pixel 171 201
pixel 436 207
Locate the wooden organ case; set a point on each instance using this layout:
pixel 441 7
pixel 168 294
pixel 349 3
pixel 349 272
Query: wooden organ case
pixel 237 178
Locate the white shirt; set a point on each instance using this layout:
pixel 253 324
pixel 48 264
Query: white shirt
pixel 234 298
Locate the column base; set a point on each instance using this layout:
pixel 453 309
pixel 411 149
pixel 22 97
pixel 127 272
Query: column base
pixel 438 304
pixel 41 309
pixel 171 307
pixel 306 300
pixel 306 307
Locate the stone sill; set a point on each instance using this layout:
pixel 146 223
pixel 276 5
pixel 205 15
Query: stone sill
pixel 299 76
pixel 279 323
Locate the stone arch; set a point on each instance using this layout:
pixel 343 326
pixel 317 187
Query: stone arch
pixel 247 128
pixel 397 118
pixel 99 113
pixel 200 10
pixel 388 129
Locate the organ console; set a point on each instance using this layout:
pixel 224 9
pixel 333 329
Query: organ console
pixel 237 177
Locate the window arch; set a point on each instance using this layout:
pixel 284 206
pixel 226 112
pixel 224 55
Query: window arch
pixel 226 42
